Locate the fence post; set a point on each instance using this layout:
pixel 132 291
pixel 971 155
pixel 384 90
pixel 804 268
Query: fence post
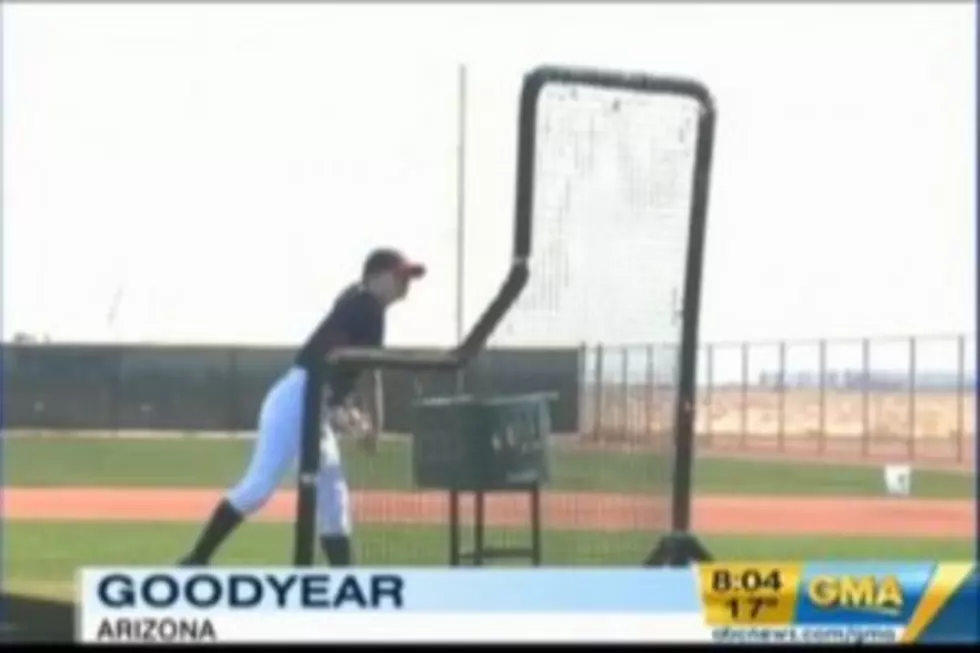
pixel 912 397
pixel 865 396
pixel 744 417
pixel 117 398
pixel 960 396
pixel 822 409
pixel 626 403
pixel 649 394
pixel 709 384
pixel 781 398
pixel 234 398
pixel 597 385
pixel 583 387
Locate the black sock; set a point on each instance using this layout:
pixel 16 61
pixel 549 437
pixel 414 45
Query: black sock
pixel 224 520
pixel 337 549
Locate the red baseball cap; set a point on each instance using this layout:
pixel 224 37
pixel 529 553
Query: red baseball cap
pixel 392 260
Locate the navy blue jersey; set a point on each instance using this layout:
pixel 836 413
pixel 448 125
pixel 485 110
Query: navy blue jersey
pixel 357 319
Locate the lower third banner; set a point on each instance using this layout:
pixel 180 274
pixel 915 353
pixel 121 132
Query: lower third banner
pixel 754 603
pixel 287 605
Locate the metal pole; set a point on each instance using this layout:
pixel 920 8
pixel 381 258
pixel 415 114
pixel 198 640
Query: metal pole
pixel 822 412
pixel 536 525
pixel 304 527
pixel 960 396
pixel 744 417
pixel 865 396
pixel 461 218
pixel 708 390
pixel 781 398
pixel 912 390
pixel 649 394
pixel 454 543
pixel 597 389
pixel 625 398
pixel 583 386
pixel 460 201
pixel 478 528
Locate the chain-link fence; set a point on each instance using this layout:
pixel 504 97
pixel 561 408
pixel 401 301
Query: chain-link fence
pixel 219 390
pixel 905 398
pixel 890 398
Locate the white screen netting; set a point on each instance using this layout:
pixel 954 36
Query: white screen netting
pixel 611 212
pixel 614 174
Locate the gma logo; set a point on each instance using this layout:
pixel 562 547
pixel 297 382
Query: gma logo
pixel 882 596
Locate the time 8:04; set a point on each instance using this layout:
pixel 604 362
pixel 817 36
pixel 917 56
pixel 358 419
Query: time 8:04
pixel 749 580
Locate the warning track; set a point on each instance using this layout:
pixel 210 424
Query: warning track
pixel 716 515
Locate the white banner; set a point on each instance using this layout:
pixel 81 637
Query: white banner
pixel 98 626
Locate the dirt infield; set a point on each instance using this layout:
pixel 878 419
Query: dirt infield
pixel 713 515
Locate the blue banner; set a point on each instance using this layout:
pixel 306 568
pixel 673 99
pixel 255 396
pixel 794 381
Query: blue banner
pixel 660 591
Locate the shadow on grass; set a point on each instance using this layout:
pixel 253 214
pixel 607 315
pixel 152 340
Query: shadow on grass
pixel 29 619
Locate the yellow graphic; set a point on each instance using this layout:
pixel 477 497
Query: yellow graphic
pixel 944 584
pixel 741 594
pixel 882 596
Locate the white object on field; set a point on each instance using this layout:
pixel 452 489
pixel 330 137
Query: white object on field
pixel 898 480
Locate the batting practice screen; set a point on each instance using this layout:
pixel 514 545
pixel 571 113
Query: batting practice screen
pixel 616 199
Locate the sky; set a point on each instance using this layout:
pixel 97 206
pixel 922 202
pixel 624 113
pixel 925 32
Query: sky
pixel 215 174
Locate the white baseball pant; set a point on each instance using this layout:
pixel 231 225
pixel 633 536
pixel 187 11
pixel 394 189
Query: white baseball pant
pixel 276 449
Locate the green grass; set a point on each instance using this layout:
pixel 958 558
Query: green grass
pixel 41 558
pixel 194 462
